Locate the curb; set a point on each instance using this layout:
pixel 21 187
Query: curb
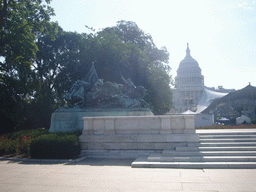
pixel 44 160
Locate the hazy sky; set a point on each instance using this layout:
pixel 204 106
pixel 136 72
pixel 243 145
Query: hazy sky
pixel 221 34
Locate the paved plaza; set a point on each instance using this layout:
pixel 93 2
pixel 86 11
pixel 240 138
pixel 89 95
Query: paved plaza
pixel 117 175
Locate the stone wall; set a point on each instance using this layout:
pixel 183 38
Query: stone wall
pixel 132 136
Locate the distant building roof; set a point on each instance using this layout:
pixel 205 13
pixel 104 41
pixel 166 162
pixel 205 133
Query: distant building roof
pixel 207 98
pixel 247 92
pixel 220 89
pixel 188 112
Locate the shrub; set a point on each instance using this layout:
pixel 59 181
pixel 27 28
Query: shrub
pixel 55 146
pixel 24 145
pixel 19 142
pixel 28 133
pixel 7 146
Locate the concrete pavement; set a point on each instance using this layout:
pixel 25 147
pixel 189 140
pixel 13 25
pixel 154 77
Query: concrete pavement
pixel 117 175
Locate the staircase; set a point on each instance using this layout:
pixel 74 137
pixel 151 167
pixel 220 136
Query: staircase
pixel 216 149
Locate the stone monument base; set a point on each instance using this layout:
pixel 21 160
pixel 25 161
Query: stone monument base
pixel 68 119
pixel 134 136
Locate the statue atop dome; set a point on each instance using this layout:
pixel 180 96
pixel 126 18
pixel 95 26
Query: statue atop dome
pixel 188 51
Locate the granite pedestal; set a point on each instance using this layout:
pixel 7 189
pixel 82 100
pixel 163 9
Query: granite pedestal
pixel 68 119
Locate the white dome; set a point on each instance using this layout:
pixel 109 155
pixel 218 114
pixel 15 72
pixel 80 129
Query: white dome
pixel 188 61
pixel 189 72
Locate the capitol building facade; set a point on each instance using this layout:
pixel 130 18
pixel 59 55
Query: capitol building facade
pixel 189 84
pixel 190 93
pixel 191 96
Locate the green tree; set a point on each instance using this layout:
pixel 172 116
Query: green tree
pixel 22 23
pixel 144 63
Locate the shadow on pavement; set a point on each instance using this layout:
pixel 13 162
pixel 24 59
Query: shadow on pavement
pixel 89 161
pixel 104 162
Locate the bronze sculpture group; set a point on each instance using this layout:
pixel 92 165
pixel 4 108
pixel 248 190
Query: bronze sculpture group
pixel 93 92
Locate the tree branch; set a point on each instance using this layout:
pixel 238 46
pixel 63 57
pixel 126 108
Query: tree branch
pixel 3 14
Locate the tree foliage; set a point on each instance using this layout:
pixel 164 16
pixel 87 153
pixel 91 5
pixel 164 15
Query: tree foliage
pixel 40 62
pixel 139 59
pixel 22 22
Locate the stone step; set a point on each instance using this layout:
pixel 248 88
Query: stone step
pixel 228 133
pixel 226 136
pixel 202 159
pixel 216 149
pixel 208 153
pixel 228 140
pixel 221 144
pixel 238 148
pixel 141 162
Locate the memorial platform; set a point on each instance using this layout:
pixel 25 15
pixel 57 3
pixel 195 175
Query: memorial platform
pixel 133 136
